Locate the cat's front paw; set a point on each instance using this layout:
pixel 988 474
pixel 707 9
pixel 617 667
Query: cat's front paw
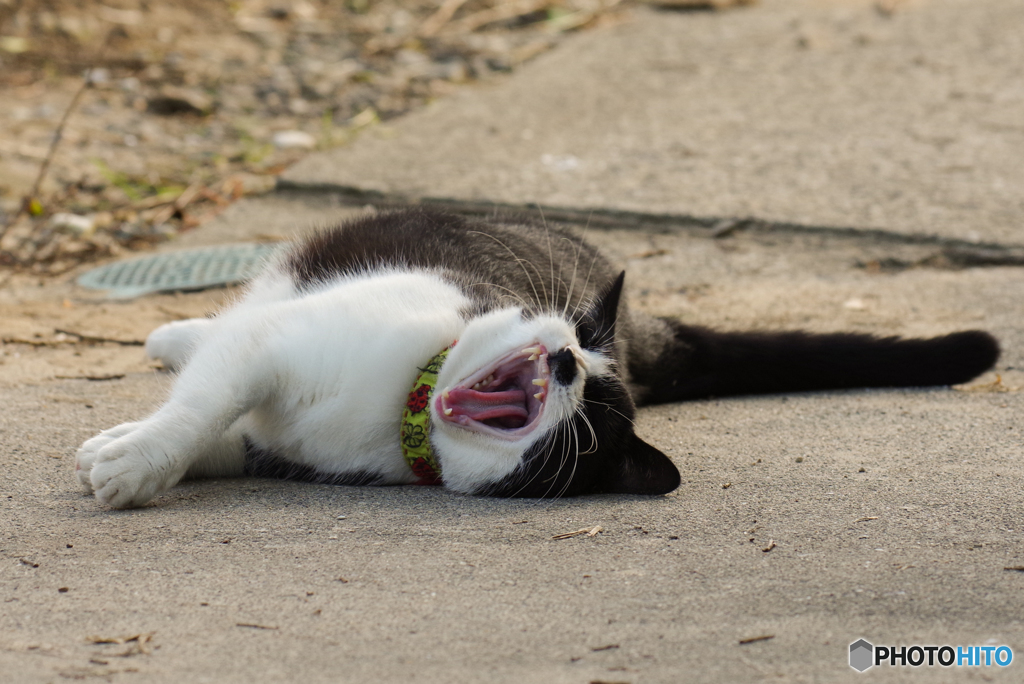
pixel 85 458
pixel 128 465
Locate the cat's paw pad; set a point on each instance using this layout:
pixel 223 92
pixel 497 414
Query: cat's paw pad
pixel 130 470
pixel 85 458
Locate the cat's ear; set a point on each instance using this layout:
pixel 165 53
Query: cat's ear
pixel 598 326
pixel 608 306
pixel 642 469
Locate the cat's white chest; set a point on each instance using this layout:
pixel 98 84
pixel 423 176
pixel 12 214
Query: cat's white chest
pixel 344 360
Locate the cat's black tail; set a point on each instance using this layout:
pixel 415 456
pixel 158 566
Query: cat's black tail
pixel 699 362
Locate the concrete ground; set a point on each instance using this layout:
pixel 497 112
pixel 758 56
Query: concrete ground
pixel 814 520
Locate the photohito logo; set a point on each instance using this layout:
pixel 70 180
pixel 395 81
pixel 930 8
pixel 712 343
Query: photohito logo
pixel 864 655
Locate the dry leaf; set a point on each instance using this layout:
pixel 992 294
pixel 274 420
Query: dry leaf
pixel 142 638
pixel 996 386
pixel 589 531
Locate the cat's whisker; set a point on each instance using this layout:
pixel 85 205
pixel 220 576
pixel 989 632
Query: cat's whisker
pixel 517 259
pixel 572 281
pixel 612 409
pixel 566 448
pixel 593 435
pixel 587 304
pixel 575 452
pixel 516 295
pixel 550 448
pixel 551 256
pixel 593 261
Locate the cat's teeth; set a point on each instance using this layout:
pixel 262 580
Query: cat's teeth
pixel 532 351
pixel 447 412
pixel 484 383
pixel 540 382
pixel 539 396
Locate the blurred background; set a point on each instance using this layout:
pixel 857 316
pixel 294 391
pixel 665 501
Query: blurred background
pixel 124 122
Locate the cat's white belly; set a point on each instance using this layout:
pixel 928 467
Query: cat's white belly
pixel 344 360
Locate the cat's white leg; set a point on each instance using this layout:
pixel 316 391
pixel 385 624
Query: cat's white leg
pixel 222 457
pixel 225 378
pixel 173 343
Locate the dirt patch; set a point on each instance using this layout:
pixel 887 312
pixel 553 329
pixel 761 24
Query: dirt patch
pixel 186 106
pixel 51 331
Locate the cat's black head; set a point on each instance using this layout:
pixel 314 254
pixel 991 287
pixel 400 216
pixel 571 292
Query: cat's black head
pixel 574 437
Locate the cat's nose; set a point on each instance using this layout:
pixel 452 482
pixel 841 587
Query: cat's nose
pixel 563 366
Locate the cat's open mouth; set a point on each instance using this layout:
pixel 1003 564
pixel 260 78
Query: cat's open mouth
pixel 504 399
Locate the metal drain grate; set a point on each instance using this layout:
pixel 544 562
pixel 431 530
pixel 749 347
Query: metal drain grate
pixel 193 269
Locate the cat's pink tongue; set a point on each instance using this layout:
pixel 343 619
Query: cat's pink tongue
pixel 481 406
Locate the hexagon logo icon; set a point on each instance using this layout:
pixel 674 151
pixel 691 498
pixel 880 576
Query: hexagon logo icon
pixel 861 655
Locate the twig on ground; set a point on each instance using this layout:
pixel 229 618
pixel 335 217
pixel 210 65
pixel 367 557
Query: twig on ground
pixel 141 638
pixel 35 343
pixel 589 531
pixel 94 338
pixel 30 201
pixel 508 10
pixel 183 200
pixel 177 315
pixel 575 20
pixel 436 21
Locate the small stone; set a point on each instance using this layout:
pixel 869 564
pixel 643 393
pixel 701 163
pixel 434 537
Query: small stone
pixel 98 76
pixel 287 140
pixel 855 304
pixel 173 100
pixel 75 224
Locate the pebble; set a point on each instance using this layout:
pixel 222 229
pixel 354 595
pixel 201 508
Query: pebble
pixel 288 140
pixel 83 226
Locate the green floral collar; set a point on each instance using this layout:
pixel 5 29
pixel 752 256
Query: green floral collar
pixel 416 423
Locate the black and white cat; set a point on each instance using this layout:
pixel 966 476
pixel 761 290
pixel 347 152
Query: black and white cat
pixel 496 357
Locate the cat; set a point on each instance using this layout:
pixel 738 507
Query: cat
pixel 493 356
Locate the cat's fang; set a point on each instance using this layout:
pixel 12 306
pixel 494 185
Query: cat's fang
pixel 534 352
